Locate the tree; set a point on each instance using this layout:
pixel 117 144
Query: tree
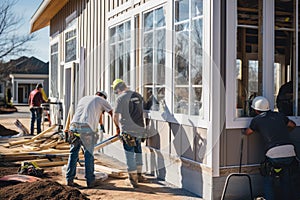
pixel 11 43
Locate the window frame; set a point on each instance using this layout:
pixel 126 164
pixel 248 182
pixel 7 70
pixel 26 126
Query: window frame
pixel 153 31
pixel 207 66
pixel 53 42
pixel 268 60
pixel 71 25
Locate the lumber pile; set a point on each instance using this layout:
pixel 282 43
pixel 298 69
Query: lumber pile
pixel 49 149
pixel 46 149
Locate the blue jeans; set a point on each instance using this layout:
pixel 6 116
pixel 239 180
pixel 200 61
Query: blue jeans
pixel 88 158
pixel 286 187
pixel 133 155
pixel 36 114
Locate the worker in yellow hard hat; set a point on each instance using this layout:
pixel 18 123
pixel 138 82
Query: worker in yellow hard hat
pixel 128 116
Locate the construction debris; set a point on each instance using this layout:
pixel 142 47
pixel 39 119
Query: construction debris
pixel 40 149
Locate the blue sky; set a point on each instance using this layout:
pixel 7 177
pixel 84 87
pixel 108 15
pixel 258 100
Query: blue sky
pixel 40 46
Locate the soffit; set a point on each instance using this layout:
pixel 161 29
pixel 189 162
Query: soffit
pixel 47 10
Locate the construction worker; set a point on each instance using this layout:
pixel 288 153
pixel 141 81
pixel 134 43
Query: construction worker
pixel 82 131
pixel 35 100
pixel 128 117
pixel 279 150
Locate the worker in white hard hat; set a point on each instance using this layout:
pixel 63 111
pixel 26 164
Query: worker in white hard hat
pixel 279 151
pixel 128 116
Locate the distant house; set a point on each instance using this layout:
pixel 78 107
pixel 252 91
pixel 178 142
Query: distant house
pixel 20 76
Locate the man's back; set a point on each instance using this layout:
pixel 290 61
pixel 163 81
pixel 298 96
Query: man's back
pixel 273 128
pixel 130 105
pixel 89 109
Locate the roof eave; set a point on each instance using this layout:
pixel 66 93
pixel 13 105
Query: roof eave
pixel 46 11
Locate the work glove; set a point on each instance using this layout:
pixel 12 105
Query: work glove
pixel 102 128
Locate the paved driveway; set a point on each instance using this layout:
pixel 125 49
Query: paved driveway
pixel 23 112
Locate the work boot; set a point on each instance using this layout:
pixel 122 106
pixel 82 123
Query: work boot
pixel 132 180
pixel 93 184
pixel 70 183
pixel 141 177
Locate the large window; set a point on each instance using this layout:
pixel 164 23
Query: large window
pixel 188 57
pixel 262 56
pixel 54 70
pixel 154 58
pixel 119 52
pixel 250 55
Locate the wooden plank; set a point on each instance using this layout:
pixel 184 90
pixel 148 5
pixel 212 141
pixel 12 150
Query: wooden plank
pixel 117 173
pixel 14 143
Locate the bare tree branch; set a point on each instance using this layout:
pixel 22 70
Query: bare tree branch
pixel 11 42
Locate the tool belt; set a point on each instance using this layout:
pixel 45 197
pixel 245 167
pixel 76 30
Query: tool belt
pixel 30 168
pixel 72 137
pixel 274 167
pixel 128 139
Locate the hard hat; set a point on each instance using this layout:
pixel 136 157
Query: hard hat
pixel 103 93
pixel 260 103
pixel 116 82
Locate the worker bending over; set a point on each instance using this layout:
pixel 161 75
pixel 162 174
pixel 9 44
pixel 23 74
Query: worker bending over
pixel 82 131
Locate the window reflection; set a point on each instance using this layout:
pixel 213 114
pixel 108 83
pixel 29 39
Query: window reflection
pixel 188 57
pixel 154 55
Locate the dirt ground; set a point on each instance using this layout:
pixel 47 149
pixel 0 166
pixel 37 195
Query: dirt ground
pixel 52 184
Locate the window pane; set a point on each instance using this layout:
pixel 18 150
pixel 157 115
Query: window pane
pixel 181 10
pixel 196 67
pixel 121 60
pixel 182 55
pixel 112 62
pixel 120 31
pixel 160 57
pixel 148 21
pixel 119 52
pixel 54 70
pixel 248 65
pixel 197 8
pixel 284 53
pixel 154 58
pixel 148 58
pixel 160 17
pixel 70 54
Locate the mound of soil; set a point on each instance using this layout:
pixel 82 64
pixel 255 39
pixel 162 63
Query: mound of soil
pixel 41 190
pixel 7 109
pixel 7 132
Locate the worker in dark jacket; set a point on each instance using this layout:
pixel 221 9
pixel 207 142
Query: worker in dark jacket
pixel 35 100
pixel 279 150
